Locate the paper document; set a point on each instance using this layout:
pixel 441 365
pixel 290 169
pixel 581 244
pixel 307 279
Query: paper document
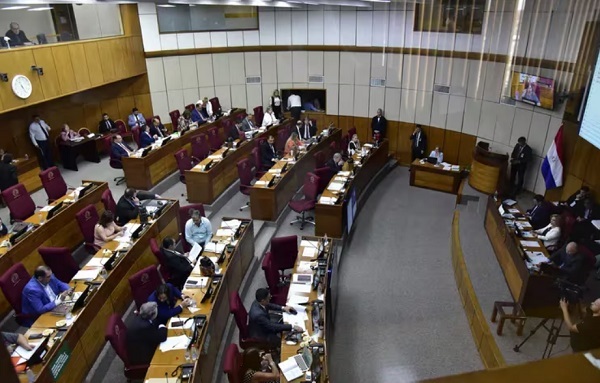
pixel 368 145
pixel 215 247
pixel 24 354
pixel 122 246
pixel 509 202
pixel 87 275
pixel 527 234
pixel 225 233
pixel 455 168
pixel 295 320
pixel 298 288
pixel 327 200
pixel 186 326
pixel 293 300
pixel 307 243
pixel 340 179
pixel 513 210
pixel 335 186
pixel 261 183
pixel 196 283
pixel 215 157
pixel 275 171
pixel 97 262
pixel 596 223
pixel 309 252
pixel 304 267
pixel 194 253
pixel 151 209
pixel 344 173
pixel 231 224
pixel 175 343
pixel 530 244
pixel 302 278
pixel 290 369
pixel 46 208
pixel 537 257
pixel 523 224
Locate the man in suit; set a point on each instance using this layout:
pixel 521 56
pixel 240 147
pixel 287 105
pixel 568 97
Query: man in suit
pixel 136 119
pixel 539 214
pixel 587 212
pixel 247 124
pixel 16 35
pixel 306 129
pixel 336 163
pixel 570 264
pixel 8 172
pixel 178 264
pixel 419 143
pixel 268 154
pixel 197 115
pixel 158 129
pixel 233 133
pixel 575 201
pixel 42 293
pixel 260 326
pixel 119 149
pixel 39 132
pixel 107 125
pixel 379 124
pixel 144 334
pixel 146 138
pixel 520 157
pixel 128 207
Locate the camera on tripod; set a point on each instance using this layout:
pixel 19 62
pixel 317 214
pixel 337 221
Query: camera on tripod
pixel 568 291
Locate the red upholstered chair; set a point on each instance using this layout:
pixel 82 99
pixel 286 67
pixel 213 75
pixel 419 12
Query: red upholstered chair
pixel 214 139
pixel 310 190
pixel 190 107
pixel 87 218
pixel 53 183
pixel 149 121
pixel 232 364
pixel 320 159
pixel 83 131
pixel 278 292
pixel 282 137
pixel 351 132
pixel 258 169
pixel 325 176
pixel 116 334
pixel 19 202
pixel 258 115
pixel 108 143
pixel 143 283
pixel 284 251
pixel 116 163
pixel 184 215
pixel 164 269
pixel 240 315
pixel 12 283
pixel 61 261
pixel 244 168
pixel 333 147
pixel 174 114
pixel 184 162
pixel 216 105
pixel 136 136
pixel 123 131
pixel 241 133
pixel 200 147
pixel 344 144
pixel 108 201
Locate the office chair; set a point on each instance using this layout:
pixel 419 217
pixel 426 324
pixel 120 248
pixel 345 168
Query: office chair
pixel 61 261
pixel 123 130
pixel 325 174
pixel 258 115
pixel 310 190
pixel 278 291
pixel 244 169
pixel 12 283
pixel 320 159
pixel 232 364
pixel 143 283
pixel 214 139
pixel 19 202
pixel 240 315
pixel 109 202
pixel 184 163
pixel 284 252
pixel 87 218
pixel 53 183
pixel 174 114
pixel 116 334
pixel 200 147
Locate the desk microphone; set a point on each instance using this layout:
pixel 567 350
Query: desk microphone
pixel 167 377
pixel 92 283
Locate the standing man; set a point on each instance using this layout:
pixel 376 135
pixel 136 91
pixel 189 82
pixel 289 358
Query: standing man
pixel 379 124
pixel 136 119
pixel 519 159
pixel 144 334
pixel 419 143
pixel 39 132
pixel 294 105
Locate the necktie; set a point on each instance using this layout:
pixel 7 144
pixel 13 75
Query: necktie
pixel 137 119
pixel 273 150
pixel 44 130
pixel 124 148
pixel 534 209
pixel 306 132
pixel 108 125
pixel 546 231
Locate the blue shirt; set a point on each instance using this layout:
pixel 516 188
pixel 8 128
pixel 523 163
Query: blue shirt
pixel 198 234
pixel 166 310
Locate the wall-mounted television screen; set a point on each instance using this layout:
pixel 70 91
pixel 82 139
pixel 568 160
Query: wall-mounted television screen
pixel 534 90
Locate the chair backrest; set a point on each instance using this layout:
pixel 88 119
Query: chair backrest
pixel 245 172
pixel 284 252
pixel 87 218
pixel 200 147
pixel 344 143
pixel 240 315
pixel 109 202
pixel 232 364
pixel 122 126
pixel 116 334
pixel 333 147
pixel 136 135
pixel 311 186
pixel 83 131
pixel 184 215
pixel 319 159
pixel 271 272
pixel 53 183
pixel 108 144
pixel 19 202
pixel 216 105
pixel 190 107
pixel 324 175
pixel 149 121
pixel 12 283
pixel 61 261
pixel 258 115
pixel 174 114
pixel 256 158
pixel 41 38
pixel 213 138
pixel 282 137
pixel 184 161
pixel 351 132
pixel 143 283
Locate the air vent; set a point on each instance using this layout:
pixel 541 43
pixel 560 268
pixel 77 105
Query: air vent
pixel 508 101
pixel 316 78
pixel 441 89
pixel 253 80
pixel 377 82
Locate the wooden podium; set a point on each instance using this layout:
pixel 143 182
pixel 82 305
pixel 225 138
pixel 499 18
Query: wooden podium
pixel 488 170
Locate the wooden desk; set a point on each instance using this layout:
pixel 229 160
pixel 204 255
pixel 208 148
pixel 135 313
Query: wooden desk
pixel 434 177
pixel 70 150
pixel 206 186
pixel 145 173
pixel 233 270
pixel 533 291
pixel 266 203
pixel 29 170
pixel 84 339
pixel 288 351
pixel 61 230
pixel 330 219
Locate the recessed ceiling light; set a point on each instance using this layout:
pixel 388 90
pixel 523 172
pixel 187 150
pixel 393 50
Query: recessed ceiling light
pixel 40 9
pixel 165 5
pixel 15 7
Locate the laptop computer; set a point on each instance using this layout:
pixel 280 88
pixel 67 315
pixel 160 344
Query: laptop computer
pixel 84 190
pixel 165 141
pixel 295 366
pixel 54 210
pixel 146 151
pixel 432 160
pixel 304 360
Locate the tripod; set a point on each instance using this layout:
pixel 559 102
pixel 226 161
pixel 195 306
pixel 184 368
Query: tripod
pixel 553 334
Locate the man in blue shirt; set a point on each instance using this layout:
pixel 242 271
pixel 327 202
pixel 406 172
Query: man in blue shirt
pixel 43 293
pixel 197 229
pixel 197 115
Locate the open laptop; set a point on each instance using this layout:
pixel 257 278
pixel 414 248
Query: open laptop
pixel 432 160
pixel 165 141
pixel 54 210
pixel 146 151
pixel 297 365
pixel 84 190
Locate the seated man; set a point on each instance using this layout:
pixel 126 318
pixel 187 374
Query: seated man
pixel 144 334
pixel 575 201
pixel 197 115
pixel 306 129
pixel 197 229
pixel 166 297
pixel 12 340
pixel 178 264
pixel 539 214
pixel 269 118
pixel 586 213
pixel 260 326
pixel 268 154
pixel 16 35
pixel 145 138
pixel 247 124
pixel 585 335
pixel 107 125
pixel 158 129
pixel 119 149
pixel 570 263
pixel 42 293
pixel 136 119
pixel 128 207
pixel 336 163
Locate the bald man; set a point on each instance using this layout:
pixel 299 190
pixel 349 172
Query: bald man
pixel 571 263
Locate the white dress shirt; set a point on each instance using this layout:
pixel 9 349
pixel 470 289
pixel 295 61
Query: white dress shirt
pixel 50 293
pixel 551 236
pixel 440 157
pixel 294 101
pixel 209 109
pixel 269 119
pixel 276 101
pixel 39 131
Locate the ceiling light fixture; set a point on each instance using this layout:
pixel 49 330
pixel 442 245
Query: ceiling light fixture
pixel 40 9
pixel 15 7
pixel 166 5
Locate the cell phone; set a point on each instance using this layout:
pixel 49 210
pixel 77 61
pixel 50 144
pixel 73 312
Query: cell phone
pixel 36 336
pixel 176 323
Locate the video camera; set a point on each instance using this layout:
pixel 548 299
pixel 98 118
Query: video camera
pixel 568 291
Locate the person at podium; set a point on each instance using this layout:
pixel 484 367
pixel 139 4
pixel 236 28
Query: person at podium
pixel 519 159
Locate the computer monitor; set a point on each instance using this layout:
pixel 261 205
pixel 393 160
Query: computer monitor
pixel 18 234
pixel 54 210
pixel 146 151
pixel 165 141
pixel 85 189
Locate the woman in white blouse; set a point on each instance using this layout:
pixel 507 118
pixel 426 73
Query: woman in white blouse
pixel 269 118
pixel 550 235
pixel 353 145
pixel 437 153
pixel 276 103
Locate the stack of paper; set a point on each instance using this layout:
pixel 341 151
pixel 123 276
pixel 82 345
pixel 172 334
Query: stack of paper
pixel 335 186
pixel 304 267
pixel 509 202
pixel 275 171
pixel 97 262
pixel 231 224
pixel 537 257
pixel 309 252
pixel 87 275
pixel 455 168
pixel 214 247
pixel 530 244
pixel 344 174
pixel 215 157
pixel 175 343
pixel 296 320
pixel 327 200
pixel 298 289
pixel 340 179
pixel 261 183
pixel 224 233
pixel 307 243
pixel 523 224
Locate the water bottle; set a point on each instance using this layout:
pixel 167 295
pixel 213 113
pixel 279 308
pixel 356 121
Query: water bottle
pixel 187 355
pixel 41 218
pixel 194 353
pixel 103 273
pixel 30 375
pixel 69 314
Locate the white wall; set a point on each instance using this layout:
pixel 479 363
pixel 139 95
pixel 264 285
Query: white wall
pixel 32 23
pixel 97 20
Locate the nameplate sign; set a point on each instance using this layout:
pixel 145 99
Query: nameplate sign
pixel 58 364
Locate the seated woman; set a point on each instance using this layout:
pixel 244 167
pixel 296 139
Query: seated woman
pixel 258 367
pixel 269 118
pixel 437 153
pixel 106 229
pixel 145 138
pixel 166 297
pixel 67 134
pixel 550 234
pixel 353 145
pixel 292 143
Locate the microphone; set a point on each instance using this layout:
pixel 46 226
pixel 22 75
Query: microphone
pixel 167 377
pixel 92 283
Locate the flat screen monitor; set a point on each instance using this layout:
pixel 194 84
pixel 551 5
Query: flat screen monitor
pixel 350 210
pixel 533 90
pixel 590 124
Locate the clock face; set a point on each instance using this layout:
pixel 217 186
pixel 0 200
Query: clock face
pixel 21 86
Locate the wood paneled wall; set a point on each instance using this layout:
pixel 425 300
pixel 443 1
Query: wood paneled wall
pixel 83 109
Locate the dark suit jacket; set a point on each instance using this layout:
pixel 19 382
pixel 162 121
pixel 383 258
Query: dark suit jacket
pixel 246 125
pixel 16 39
pixel 160 132
pixel 593 215
pixel 103 128
pixel 146 140
pixel 333 166
pixel 380 125
pixel 267 155
pixel 421 144
pixel 179 266
pixel 233 132
pixel 142 339
pixel 571 267
pixel 522 156
pixel 541 215
pixel 126 210
pixel 261 326
pixel 117 152
pixel 8 175
pixel 312 131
